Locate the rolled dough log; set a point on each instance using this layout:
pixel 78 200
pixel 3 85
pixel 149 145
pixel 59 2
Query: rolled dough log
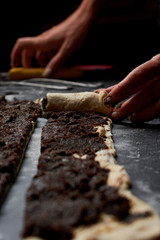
pixel 81 102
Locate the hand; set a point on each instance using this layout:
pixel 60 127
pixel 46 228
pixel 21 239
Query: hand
pixel 58 43
pixel 140 93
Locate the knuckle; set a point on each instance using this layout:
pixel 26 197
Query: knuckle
pixel 119 86
pixel 121 91
pixel 19 41
pixel 136 72
pixel 156 60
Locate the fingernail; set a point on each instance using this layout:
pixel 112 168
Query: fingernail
pixel 47 72
pixel 116 115
pixel 109 101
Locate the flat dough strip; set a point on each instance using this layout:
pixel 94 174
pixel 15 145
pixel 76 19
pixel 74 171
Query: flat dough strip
pixel 108 228
pixel 13 146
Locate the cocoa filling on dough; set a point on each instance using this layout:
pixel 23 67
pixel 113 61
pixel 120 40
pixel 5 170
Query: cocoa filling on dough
pixel 73 132
pixel 16 119
pixel 44 103
pixel 68 191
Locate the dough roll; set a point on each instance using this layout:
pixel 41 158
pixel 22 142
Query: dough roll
pixel 81 102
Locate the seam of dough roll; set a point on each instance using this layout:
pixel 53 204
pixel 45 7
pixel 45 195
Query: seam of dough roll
pixel 81 102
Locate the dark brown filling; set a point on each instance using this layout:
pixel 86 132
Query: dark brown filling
pixel 73 132
pixel 5 179
pixel 68 191
pixel 44 103
pixel 16 119
pixel 133 217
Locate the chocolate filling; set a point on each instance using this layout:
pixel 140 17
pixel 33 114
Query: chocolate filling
pixel 44 103
pixel 133 217
pixel 16 123
pixel 73 132
pixel 69 191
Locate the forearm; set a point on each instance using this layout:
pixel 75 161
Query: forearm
pixel 90 9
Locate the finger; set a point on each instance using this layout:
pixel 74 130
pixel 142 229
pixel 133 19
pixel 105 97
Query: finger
pixel 28 43
pixel 21 44
pixel 104 89
pixel 64 52
pixel 41 57
pixel 101 89
pixel 51 53
pixel 138 77
pixel 138 102
pixel 27 57
pixel 150 113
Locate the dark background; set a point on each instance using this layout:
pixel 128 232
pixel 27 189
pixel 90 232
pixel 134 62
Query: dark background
pixel 126 34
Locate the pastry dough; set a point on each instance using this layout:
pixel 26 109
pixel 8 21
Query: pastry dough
pixel 145 224
pixel 81 102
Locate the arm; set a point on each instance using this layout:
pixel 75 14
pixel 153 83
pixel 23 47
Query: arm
pixel 58 43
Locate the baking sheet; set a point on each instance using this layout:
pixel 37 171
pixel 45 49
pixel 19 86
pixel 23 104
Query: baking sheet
pixel 138 149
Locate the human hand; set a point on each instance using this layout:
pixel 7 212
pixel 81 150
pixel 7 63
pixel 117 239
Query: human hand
pixel 58 43
pixel 140 93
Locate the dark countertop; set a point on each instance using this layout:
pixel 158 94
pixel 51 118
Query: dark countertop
pixel 138 149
